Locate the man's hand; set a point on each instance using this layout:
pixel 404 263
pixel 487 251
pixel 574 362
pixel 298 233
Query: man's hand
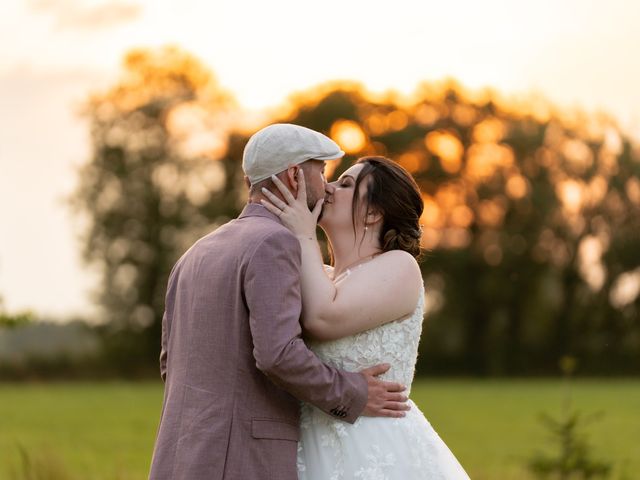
pixel 385 399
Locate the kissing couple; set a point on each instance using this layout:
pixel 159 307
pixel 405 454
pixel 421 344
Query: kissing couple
pixel 279 367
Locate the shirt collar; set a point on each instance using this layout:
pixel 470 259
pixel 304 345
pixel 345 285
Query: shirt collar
pixel 258 210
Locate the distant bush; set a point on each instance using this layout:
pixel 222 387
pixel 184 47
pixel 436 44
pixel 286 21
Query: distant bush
pixel 573 457
pixel 34 350
pixel 15 320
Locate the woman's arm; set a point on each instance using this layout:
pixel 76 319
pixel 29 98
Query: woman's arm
pixel 382 290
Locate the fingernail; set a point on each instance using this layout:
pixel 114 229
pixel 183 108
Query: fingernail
pixel 263 189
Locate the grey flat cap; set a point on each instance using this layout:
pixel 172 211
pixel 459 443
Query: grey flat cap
pixel 276 147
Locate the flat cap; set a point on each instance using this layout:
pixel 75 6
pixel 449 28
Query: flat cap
pixel 276 147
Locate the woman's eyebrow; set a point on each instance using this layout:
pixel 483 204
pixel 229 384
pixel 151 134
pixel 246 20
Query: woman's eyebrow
pixel 342 177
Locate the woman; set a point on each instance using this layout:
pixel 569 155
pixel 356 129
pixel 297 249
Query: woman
pixel 365 310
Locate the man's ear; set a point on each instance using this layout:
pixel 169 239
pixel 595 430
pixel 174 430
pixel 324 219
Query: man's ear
pixel 292 176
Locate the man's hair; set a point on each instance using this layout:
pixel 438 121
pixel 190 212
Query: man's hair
pixel 267 183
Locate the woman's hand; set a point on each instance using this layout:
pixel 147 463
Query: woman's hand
pixel 294 212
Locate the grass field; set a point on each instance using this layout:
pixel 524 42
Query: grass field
pixel 105 431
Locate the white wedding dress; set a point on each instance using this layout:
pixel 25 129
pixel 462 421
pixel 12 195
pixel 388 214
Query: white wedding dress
pixel 405 448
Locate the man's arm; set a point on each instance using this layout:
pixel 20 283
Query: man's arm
pixel 163 347
pixel 272 290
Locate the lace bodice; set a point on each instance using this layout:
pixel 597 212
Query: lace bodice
pixel 375 448
pixel 395 343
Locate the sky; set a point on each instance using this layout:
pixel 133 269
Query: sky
pixel 576 53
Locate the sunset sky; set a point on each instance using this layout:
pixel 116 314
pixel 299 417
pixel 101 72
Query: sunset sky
pixel 576 53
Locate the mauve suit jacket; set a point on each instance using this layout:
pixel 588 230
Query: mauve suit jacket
pixel 233 359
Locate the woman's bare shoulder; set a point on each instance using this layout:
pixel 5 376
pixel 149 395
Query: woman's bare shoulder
pixel 399 261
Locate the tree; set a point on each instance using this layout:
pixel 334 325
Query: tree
pixel 530 220
pixel 156 181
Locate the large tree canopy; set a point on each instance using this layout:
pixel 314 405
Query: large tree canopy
pixel 531 222
pixel 155 181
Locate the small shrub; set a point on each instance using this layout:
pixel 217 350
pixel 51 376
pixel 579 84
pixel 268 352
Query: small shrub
pixel 572 457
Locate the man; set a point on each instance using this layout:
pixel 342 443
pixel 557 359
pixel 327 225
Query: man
pixel 233 361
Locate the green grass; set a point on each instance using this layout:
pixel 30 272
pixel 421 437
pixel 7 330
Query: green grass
pixel 96 430
pixel 105 431
pixel 493 426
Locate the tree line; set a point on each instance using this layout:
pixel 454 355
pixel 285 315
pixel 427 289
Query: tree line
pixel 531 225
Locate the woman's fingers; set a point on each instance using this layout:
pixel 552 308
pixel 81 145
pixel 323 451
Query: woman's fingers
pixel 302 187
pixel 288 196
pixel 274 199
pixel 269 206
pixel 317 209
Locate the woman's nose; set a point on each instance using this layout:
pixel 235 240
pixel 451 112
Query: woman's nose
pixel 329 188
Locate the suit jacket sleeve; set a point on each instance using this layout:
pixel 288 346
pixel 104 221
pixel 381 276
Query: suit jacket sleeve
pixel 163 348
pixel 272 292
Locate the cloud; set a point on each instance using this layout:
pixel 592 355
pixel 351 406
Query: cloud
pixel 72 14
